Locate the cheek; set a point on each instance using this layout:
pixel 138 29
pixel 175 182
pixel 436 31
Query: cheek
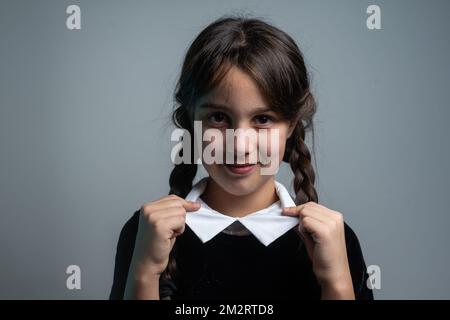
pixel 282 143
pixel 274 142
pixel 213 146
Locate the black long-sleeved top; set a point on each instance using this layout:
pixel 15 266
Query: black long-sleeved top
pixel 239 266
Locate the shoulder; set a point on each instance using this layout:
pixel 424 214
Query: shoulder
pixel 353 244
pixel 124 253
pixel 354 251
pixel 131 225
pixel 357 264
pixel 128 233
pixel 350 236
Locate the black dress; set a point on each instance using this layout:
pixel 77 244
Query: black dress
pixel 239 266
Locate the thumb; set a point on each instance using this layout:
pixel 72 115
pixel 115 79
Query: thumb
pixel 292 211
pixel 191 205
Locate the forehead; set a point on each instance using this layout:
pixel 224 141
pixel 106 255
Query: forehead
pixel 237 91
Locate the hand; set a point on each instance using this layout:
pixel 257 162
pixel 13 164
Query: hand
pixel 160 222
pixel 323 233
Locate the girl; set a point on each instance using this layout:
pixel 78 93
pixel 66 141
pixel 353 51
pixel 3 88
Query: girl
pixel 241 73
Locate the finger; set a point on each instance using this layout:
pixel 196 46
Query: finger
pixel 174 202
pixel 303 210
pixel 168 212
pixel 309 211
pixel 187 204
pixel 316 213
pixel 166 201
pixel 306 238
pixel 176 224
pixel 165 204
pixel 328 212
pixel 293 211
pixel 167 197
pixel 313 227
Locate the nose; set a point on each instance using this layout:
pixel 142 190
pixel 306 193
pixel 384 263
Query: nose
pixel 244 144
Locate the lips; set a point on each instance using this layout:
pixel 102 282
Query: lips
pixel 241 169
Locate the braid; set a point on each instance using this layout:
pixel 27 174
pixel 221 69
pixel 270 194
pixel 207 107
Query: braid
pixel 183 174
pixel 181 178
pixel 300 162
pixel 180 184
pixel 180 181
pixel 298 156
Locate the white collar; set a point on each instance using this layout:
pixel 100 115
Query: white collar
pixel 266 225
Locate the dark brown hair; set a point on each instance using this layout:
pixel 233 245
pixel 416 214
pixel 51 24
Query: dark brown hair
pixel 276 64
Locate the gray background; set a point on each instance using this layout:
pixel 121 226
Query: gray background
pixel 84 138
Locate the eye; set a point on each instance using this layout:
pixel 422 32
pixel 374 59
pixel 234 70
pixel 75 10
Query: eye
pixel 217 118
pixel 264 119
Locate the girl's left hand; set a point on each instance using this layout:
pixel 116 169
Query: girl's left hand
pixel 323 232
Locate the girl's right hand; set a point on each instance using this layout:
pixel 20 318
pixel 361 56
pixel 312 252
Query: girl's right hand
pixel 160 222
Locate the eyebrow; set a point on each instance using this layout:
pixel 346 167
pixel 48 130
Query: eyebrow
pixel 212 105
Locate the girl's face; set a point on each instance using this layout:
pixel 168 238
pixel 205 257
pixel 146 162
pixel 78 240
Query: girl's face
pixel 236 103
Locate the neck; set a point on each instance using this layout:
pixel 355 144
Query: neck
pixel 239 206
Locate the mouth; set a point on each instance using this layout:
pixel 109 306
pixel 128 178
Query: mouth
pixel 241 169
